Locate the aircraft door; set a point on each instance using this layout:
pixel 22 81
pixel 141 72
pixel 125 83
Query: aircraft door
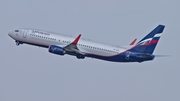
pixel 25 33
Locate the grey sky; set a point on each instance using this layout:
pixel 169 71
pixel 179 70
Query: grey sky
pixel 29 73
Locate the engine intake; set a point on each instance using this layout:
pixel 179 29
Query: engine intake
pixel 56 50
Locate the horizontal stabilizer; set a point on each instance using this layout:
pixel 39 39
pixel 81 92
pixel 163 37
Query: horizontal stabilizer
pixel 133 42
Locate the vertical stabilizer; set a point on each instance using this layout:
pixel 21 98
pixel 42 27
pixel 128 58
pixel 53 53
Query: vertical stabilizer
pixel 149 42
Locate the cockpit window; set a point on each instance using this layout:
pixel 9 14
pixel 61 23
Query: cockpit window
pixel 16 30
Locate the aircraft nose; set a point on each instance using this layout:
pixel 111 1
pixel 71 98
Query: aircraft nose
pixel 10 34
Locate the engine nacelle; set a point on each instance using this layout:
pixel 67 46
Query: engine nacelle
pixel 56 50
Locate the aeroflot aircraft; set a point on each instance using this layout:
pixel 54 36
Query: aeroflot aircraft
pixel 62 44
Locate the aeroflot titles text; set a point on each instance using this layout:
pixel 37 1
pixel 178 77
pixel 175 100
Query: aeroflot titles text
pixel 40 32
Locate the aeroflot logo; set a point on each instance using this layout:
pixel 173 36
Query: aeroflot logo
pixel 34 32
pixel 149 40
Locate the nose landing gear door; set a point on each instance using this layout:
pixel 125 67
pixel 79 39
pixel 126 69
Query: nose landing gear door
pixel 25 33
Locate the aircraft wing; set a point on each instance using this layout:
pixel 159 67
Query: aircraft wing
pixel 72 47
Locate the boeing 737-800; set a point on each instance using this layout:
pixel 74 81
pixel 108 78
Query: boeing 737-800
pixel 63 44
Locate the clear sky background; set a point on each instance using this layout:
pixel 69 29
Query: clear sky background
pixel 29 73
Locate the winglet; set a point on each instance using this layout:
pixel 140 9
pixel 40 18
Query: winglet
pixel 132 43
pixel 76 40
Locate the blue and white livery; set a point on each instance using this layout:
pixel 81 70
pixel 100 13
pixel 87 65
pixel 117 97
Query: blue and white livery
pixel 62 44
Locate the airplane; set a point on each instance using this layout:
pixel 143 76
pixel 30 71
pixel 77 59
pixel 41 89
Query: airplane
pixel 60 44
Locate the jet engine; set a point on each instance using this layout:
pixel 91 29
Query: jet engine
pixel 56 50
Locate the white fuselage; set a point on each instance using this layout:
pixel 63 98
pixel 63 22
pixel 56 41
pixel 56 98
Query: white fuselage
pixel 45 39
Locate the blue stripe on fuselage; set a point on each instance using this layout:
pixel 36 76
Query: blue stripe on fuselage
pixel 121 57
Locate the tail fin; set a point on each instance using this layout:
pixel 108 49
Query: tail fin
pixel 149 42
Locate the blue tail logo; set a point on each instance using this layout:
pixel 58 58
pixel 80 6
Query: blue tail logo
pixel 149 42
